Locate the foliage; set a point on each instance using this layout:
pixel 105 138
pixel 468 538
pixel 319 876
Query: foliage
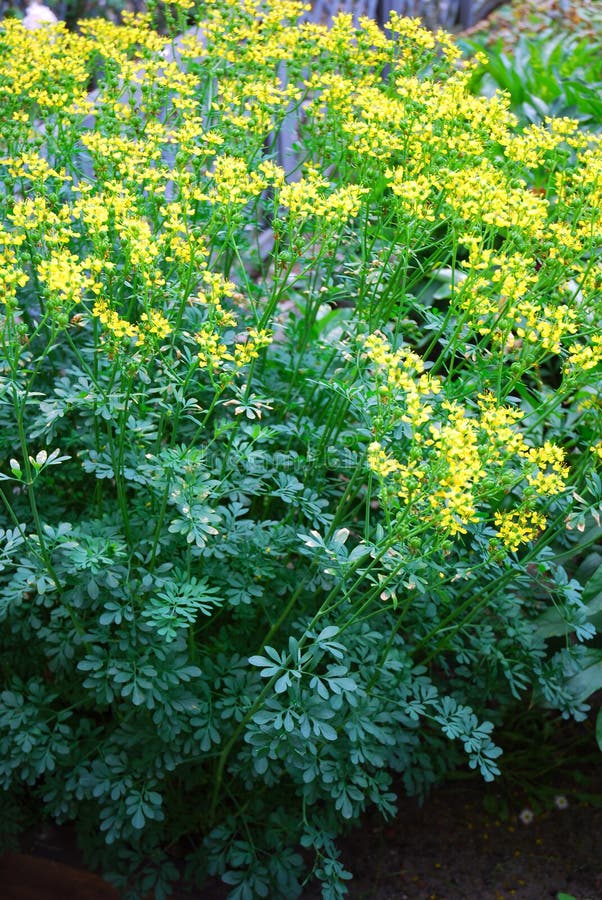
pixel 278 527
pixel 551 75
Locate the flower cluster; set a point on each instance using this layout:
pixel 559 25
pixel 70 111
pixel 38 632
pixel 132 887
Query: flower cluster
pixel 458 455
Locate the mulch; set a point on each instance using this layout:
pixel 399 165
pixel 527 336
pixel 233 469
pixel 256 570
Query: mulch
pixel 581 19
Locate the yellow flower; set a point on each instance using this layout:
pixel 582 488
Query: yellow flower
pixel 518 526
pixel 154 323
pixel 415 194
pixel 379 462
pixel 308 197
pixel 64 277
pixel 33 167
pixel 116 327
pixel 482 193
pixel 588 356
pixel 256 340
pixel 234 183
pixel 213 352
pixel 405 378
pixel 457 448
pixel 549 473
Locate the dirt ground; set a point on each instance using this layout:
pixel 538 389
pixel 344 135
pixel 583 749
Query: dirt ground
pixel 453 849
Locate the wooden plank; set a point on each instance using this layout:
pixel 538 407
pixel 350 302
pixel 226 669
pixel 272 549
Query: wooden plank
pixel 26 877
pixel 322 11
pixel 434 13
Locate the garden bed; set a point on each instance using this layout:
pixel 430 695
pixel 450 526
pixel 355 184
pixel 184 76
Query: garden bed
pixel 449 848
pixel 293 533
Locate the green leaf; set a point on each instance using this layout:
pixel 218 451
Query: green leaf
pixel 329 632
pixel 589 680
pixel 283 683
pixel 138 819
pixel 593 587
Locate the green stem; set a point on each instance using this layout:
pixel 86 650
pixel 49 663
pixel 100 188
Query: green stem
pixel 117 460
pixel 475 607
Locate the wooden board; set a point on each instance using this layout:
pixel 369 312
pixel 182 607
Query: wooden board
pixel 24 877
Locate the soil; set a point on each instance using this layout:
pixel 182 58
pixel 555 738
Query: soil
pixel 453 849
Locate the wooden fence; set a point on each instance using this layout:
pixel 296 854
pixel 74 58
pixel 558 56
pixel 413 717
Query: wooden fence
pixel 449 14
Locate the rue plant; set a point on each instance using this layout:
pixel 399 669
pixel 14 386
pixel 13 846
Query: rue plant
pixel 298 466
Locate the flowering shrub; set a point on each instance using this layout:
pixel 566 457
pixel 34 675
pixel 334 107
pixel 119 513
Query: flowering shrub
pixel 280 525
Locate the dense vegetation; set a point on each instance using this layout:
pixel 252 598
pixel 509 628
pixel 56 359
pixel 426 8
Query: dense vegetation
pixel 300 468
